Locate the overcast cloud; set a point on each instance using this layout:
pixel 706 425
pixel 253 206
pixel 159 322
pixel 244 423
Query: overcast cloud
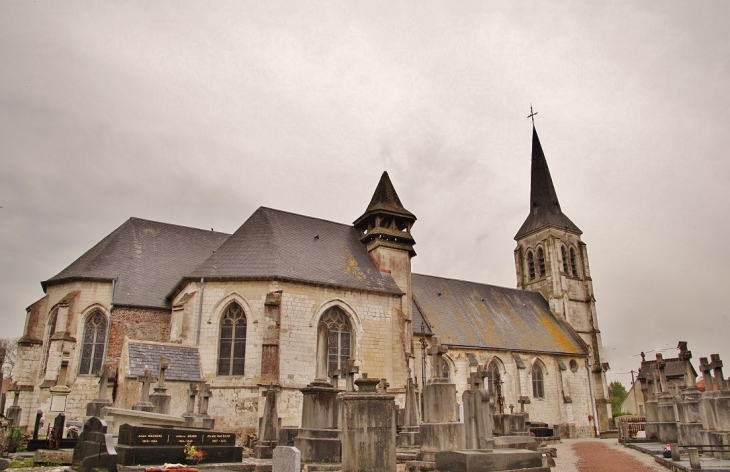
pixel 196 113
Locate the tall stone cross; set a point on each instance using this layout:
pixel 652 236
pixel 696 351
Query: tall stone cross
pixel 192 393
pixel 163 368
pixel 706 369
pixel 436 351
pixel 351 370
pixel 661 364
pixel 205 394
pixel 686 356
pixel 146 380
pixel 716 365
pixel 477 413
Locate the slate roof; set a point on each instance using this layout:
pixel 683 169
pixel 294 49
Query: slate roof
pixel 183 361
pixel 470 314
pixel 544 206
pixel 420 325
pixel 274 244
pixel 146 257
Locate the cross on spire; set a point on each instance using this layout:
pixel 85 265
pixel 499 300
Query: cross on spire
pixel 532 115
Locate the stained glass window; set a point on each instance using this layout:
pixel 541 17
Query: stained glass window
pixel 92 350
pixel 232 343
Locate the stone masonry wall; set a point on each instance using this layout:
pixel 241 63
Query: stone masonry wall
pixel 142 324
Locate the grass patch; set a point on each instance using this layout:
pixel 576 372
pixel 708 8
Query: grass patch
pixel 15 464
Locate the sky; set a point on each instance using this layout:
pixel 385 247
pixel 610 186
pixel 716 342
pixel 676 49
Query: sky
pixel 197 113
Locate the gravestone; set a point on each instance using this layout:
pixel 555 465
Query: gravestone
pixel 160 399
pixel 319 438
pixel 410 432
pixel 95 449
pixel 689 424
pixel 477 414
pixel 205 394
pixel 144 402
pixel 150 445
pixel 269 428
pixel 189 414
pixel 666 417
pixel 440 429
pixel 286 459
pixel 368 428
pixel 715 408
pixel 102 400
pixel 14 411
pixel 54 439
pixel 513 460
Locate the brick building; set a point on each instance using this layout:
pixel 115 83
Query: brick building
pixel 242 311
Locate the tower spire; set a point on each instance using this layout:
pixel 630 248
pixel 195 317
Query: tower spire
pixel 544 206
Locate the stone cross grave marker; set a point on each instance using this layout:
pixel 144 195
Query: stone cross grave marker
pixel 163 368
pixel 706 369
pixel 661 365
pixel 104 381
pixel 352 369
pixel 146 381
pixel 205 394
pixel 716 365
pixel 686 356
pixel 477 413
pixel 436 351
pixel 192 393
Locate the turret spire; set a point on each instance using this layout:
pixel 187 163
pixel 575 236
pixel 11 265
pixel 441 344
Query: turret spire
pixel 544 206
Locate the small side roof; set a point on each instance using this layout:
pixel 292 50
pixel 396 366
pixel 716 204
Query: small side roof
pixel 146 257
pixel 274 244
pixel 470 314
pixel 183 362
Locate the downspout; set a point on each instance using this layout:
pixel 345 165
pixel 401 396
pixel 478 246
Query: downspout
pixel 200 310
pixel 593 401
pixel 111 307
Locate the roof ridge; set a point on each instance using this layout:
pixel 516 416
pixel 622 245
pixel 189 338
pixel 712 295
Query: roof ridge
pixel 144 220
pixel 304 216
pixel 475 283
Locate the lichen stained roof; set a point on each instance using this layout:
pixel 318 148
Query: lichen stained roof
pixel 147 258
pixel 475 315
pixel 274 244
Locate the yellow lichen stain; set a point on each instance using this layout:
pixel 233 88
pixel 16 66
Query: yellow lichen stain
pixel 351 268
pixel 558 335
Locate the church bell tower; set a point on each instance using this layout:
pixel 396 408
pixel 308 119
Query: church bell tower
pixel 385 229
pixel 551 258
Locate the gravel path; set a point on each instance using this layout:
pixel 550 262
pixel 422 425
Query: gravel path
pixel 601 455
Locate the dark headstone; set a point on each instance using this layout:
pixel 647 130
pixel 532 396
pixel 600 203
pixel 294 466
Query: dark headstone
pixel 37 427
pixel 95 449
pixel 150 445
pixel 54 439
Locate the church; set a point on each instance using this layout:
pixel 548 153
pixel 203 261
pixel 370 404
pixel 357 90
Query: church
pixel 241 312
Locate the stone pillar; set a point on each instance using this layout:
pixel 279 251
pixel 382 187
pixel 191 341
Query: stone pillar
pixel 269 427
pixel 440 429
pixel 14 411
pixel 94 407
pixel 160 399
pixel 717 410
pixel 368 429
pixel 410 433
pixel 319 439
pixel 270 338
pixel 651 404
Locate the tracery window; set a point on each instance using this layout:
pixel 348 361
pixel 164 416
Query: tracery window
pixel 493 378
pixel 339 341
pixel 232 343
pixel 92 350
pixel 541 261
pixel 573 267
pixel 538 387
pixel 564 253
pixel 531 265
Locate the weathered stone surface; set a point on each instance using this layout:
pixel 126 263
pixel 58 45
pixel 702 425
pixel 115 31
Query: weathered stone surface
pixel 318 439
pixel 95 449
pixel 286 459
pixel 486 461
pixel 515 442
pixel 53 456
pixel 4 463
pixel 368 429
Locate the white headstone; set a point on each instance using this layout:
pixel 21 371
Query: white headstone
pixel 286 459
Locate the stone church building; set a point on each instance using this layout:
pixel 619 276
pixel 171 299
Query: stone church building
pixel 241 312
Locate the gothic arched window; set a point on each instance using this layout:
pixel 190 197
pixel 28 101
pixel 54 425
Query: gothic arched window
pixel 541 261
pixel 232 343
pixel 538 387
pixel 92 350
pixel 339 341
pixel 573 267
pixel 531 265
pixel 493 378
pixel 564 253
